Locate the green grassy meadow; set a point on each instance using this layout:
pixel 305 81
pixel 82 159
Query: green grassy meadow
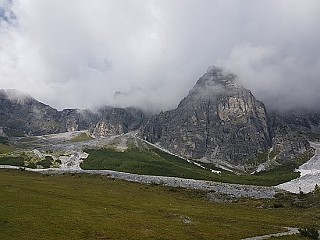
pixel 35 206
pixel 4 146
pixel 142 158
pixel 152 161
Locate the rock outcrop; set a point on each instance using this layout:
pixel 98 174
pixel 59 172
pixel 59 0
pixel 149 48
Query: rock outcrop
pixel 288 144
pixel 219 121
pixel 116 121
pixel 300 120
pixel 20 115
pixel 290 132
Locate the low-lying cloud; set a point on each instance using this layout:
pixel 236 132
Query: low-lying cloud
pixel 150 53
pixel 282 81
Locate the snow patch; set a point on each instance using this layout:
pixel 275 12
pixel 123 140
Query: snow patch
pixel 309 174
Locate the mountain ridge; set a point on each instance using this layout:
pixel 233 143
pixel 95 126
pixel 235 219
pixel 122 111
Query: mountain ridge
pixel 218 122
pixel 221 122
pixel 27 116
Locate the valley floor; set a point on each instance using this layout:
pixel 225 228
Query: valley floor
pixel 230 190
pixel 82 206
pixel 68 202
pixel 68 148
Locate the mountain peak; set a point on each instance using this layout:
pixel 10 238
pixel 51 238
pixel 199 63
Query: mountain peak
pixel 217 76
pixel 215 82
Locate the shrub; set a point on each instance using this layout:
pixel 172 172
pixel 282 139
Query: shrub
pixel 278 205
pixel 309 232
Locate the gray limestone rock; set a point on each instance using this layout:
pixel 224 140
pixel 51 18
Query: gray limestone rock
pixel 115 121
pixel 219 122
pixel 20 115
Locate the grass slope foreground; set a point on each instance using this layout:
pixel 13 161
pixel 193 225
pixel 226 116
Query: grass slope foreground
pixel 34 206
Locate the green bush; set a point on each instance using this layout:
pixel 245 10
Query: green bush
pixel 13 161
pixel 309 232
pixel 46 163
pixel 278 205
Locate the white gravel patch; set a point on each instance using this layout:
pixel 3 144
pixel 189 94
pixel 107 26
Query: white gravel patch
pixel 73 161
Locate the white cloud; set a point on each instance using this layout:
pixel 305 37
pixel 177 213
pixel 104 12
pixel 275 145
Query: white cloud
pixel 282 81
pixel 79 53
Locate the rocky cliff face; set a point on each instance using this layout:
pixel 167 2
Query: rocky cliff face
pixel 117 121
pixel 75 119
pixel 219 121
pixel 300 120
pixel 288 144
pixel 290 131
pixel 20 114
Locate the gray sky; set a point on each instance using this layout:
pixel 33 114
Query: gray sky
pixel 146 53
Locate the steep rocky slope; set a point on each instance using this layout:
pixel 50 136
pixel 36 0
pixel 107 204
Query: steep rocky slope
pixel 219 121
pixel 222 122
pixel 288 141
pixel 20 114
pixel 301 120
pixel 117 121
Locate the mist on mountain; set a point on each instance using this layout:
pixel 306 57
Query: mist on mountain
pixel 152 52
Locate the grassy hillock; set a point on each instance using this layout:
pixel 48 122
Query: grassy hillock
pixel 81 137
pixel 4 145
pixel 34 206
pixel 148 161
pixel 4 148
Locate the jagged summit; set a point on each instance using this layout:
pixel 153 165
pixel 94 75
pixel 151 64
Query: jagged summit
pixel 218 76
pixel 214 84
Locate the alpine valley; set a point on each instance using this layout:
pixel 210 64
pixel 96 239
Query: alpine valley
pixel 219 166
pixel 220 123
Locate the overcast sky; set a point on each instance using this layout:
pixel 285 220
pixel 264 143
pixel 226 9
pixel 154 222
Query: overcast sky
pixel 80 53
